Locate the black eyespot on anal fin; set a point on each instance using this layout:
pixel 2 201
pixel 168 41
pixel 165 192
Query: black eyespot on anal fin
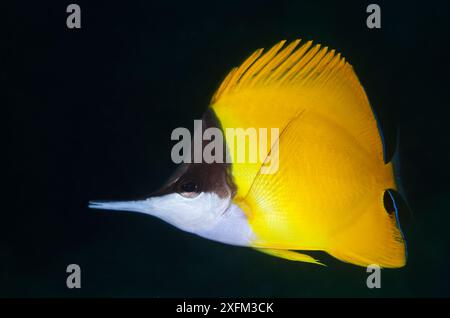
pixel 403 210
pixel 388 201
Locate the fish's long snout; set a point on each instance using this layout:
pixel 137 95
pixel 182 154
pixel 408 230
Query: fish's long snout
pixel 143 206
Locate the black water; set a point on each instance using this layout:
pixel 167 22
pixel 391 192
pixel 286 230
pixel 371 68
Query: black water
pixel 89 114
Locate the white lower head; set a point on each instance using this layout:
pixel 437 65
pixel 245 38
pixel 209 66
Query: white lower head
pixel 198 199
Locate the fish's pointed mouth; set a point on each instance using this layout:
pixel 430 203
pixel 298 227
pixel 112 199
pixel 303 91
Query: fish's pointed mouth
pixel 132 206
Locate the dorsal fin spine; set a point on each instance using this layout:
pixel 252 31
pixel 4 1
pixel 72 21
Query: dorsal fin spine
pixel 290 61
pixel 256 70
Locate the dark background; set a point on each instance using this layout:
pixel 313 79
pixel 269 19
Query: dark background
pixel 89 114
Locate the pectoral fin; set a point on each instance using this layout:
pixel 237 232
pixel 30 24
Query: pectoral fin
pixel 290 255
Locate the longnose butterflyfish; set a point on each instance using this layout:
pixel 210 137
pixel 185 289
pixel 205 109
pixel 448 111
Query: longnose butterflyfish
pixel 332 189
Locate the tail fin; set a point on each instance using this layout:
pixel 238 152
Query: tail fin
pixel 396 159
pixel 397 167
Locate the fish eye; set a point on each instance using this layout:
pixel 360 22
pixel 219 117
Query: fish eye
pixel 189 189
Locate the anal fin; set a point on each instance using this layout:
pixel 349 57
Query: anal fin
pixel 374 238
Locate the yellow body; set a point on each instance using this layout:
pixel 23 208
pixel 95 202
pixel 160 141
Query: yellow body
pixel 328 191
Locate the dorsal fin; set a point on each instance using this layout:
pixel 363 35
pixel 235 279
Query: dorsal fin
pixel 268 90
pixel 291 65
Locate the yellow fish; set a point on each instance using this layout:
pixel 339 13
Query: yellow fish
pixel 331 190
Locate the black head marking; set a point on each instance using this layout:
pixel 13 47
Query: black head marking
pixel 192 178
